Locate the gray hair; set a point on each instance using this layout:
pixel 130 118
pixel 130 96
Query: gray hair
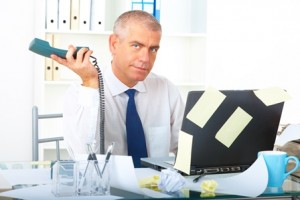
pixel 136 16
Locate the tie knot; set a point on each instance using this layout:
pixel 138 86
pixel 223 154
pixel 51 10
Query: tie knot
pixel 130 92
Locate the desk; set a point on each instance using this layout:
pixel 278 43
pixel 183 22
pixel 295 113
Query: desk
pixel 291 186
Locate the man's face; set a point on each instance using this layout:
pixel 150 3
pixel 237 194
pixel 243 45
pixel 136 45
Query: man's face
pixel 134 54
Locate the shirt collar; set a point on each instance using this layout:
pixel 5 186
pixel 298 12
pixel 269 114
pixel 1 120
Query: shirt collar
pixel 116 87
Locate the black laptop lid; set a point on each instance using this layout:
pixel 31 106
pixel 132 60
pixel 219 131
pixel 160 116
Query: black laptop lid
pixel 258 135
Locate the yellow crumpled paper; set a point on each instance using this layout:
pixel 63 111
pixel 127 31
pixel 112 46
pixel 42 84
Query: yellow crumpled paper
pixel 208 188
pixel 150 182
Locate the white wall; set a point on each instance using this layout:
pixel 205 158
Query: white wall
pixel 255 44
pixel 16 80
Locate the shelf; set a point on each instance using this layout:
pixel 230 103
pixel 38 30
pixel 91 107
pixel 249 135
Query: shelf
pixel 76 32
pixel 107 33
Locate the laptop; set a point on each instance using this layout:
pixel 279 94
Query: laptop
pixel 209 155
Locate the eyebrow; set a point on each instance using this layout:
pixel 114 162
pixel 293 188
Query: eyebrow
pixel 137 42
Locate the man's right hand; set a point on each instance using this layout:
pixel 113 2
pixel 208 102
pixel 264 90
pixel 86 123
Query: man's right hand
pixel 82 65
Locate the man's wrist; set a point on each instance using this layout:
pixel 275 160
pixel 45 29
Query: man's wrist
pixel 91 83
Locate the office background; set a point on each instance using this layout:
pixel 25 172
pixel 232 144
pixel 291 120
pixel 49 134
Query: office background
pixel 249 44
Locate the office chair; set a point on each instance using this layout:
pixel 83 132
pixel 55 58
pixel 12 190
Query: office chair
pixel 35 134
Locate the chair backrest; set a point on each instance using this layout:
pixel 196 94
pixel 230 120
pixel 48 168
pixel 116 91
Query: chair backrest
pixel 35 133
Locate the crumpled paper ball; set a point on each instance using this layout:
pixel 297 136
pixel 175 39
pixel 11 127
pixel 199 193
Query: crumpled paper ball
pixel 171 181
pixel 208 188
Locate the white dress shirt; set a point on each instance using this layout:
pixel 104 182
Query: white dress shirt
pixel 158 103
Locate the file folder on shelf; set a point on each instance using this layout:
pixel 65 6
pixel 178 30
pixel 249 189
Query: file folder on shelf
pixel 85 15
pixel 51 14
pixel 97 15
pixel 56 66
pixel 64 14
pixel 49 61
pixel 75 14
pixel 56 71
pixel 48 69
pixel 61 72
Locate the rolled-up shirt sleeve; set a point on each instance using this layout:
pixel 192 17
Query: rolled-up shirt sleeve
pixel 80 113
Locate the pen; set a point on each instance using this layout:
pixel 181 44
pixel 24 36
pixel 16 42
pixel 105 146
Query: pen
pixel 198 177
pixel 92 157
pixel 108 154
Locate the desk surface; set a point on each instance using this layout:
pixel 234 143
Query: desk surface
pixel 291 186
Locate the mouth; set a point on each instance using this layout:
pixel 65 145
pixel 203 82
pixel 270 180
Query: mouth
pixel 143 68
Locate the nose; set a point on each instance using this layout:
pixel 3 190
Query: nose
pixel 144 55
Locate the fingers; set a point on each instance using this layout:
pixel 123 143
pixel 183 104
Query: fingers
pixel 58 59
pixel 70 53
pixel 81 65
pixel 69 56
pixel 82 55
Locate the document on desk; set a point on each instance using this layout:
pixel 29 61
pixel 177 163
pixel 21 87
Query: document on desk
pixel 291 132
pixel 26 176
pixel 250 183
pixel 43 192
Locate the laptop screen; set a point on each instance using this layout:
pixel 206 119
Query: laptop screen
pixel 259 134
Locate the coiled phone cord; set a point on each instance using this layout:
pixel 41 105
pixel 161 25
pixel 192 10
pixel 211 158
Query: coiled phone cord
pixel 101 105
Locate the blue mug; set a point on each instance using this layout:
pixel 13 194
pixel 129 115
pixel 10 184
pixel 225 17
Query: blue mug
pixel 277 162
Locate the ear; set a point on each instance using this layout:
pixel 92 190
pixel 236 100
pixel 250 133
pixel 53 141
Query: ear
pixel 113 40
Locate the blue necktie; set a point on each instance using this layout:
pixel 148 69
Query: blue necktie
pixel 135 134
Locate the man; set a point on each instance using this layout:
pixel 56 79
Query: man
pixel 133 45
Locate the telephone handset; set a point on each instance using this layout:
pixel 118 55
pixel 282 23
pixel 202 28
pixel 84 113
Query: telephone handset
pixel 43 48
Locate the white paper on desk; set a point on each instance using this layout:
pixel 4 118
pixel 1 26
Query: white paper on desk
pixel 250 183
pixel 4 184
pixel 27 176
pixel 291 132
pixel 43 192
pixel 122 174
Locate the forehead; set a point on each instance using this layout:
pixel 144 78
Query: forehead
pixel 142 34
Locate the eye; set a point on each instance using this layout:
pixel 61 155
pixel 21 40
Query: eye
pixel 154 50
pixel 136 46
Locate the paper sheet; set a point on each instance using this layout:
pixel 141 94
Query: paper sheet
pixel 43 192
pixel 291 132
pixel 233 127
pixel 27 176
pixel 4 184
pixel 250 183
pixel 272 95
pixel 206 106
pixel 123 176
pixel 183 159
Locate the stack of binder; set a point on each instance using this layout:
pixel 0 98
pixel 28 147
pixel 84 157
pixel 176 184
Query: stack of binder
pixel 83 15
pixel 70 15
